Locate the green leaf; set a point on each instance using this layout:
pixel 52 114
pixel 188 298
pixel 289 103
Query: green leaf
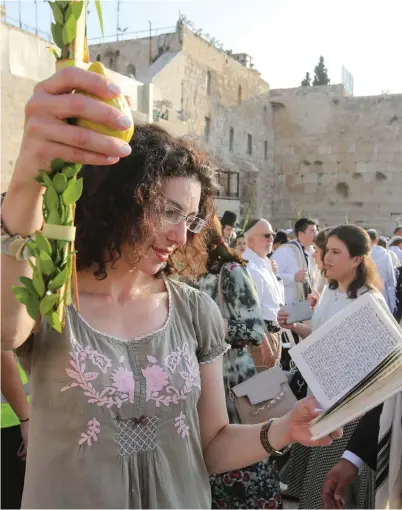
pixel 38 283
pixel 73 191
pixel 57 35
pixel 59 280
pixel 43 244
pixel 100 16
pixel 22 295
pixel 53 319
pixel 33 307
pixel 63 4
pixel 69 30
pixel 71 171
pixel 57 13
pixel 49 302
pixel 60 182
pixel 31 245
pixel 57 165
pixel 27 282
pixel 51 199
pixel 54 218
pixel 46 263
pixel 77 9
pixel 43 178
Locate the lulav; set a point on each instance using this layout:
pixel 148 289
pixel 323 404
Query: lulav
pixel 51 252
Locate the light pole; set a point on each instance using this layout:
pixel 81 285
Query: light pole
pixel 36 17
pixel 150 42
pixel 118 21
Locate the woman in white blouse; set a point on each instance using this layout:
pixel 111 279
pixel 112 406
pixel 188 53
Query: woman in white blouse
pixel 350 272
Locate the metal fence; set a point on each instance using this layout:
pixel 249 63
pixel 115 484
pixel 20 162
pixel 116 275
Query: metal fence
pixel 122 36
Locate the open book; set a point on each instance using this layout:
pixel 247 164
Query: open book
pixel 352 363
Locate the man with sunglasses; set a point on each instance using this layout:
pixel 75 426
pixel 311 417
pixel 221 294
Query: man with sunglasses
pixel 260 238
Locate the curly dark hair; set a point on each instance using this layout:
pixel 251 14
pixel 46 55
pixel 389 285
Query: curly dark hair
pixel 119 203
pixel 358 243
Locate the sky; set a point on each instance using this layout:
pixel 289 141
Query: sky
pixel 285 38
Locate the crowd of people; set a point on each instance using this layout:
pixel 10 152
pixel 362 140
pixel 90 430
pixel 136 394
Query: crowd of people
pixel 131 406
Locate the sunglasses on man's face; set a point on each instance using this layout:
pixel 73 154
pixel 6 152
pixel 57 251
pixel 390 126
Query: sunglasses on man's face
pixel 267 236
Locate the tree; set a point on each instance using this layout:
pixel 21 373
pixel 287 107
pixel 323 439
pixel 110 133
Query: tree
pixel 321 73
pixel 307 81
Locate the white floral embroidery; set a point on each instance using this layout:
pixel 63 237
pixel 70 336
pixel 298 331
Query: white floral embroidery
pixel 91 434
pixel 182 428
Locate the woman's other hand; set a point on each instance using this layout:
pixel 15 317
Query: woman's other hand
pixel 313 299
pixel 298 423
pixel 282 319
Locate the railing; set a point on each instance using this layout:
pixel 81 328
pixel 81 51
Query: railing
pixel 122 36
pixel 128 36
pixel 27 28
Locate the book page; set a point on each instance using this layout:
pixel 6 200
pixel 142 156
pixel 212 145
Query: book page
pixel 342 352
pixel 363 403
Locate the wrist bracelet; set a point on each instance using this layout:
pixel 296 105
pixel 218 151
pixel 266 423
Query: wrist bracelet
pixel 13 245
pixel 265 441
pixel 24 421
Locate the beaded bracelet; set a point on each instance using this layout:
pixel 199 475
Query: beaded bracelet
pixel 13 245
pixel 265 441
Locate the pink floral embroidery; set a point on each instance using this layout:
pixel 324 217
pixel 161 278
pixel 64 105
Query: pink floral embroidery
pixel 114 395
pixel 123 380
pixel 91 434
pixel 182 428
pixel 158 381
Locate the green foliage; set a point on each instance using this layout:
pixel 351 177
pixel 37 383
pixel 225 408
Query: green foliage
pixel 307 81
pixel 321 73
pixel 51 260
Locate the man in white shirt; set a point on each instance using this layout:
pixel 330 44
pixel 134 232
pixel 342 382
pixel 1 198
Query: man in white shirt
pixel 260 238
pixel 295 265
pixel 385 269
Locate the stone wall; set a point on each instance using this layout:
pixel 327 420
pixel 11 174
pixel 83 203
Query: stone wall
pixel 338 158
pixel 133 56
pixel 198 80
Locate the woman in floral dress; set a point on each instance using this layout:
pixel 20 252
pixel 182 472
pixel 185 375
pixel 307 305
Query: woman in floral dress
pixel 127 402
pixel 256 486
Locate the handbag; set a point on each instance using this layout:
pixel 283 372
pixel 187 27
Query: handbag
pixel 268 353
pixel 265 395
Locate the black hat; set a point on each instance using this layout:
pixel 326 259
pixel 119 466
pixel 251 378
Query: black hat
pixel 229 219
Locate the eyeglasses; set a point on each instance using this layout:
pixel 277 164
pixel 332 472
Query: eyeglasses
pixel 174 216
pixel 267 236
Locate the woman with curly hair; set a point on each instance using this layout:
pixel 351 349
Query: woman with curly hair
pixel 128 405
pixel 230 285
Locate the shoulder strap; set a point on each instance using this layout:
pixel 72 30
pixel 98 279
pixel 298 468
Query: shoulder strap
pixel 220 294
